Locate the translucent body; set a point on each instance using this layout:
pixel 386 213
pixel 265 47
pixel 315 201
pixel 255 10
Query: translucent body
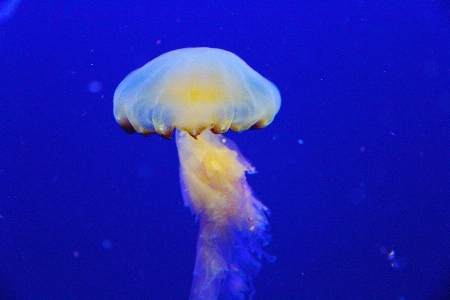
pixel 232 221
pixel 193 89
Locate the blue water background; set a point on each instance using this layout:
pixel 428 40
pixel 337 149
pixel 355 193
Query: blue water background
pixel 355 168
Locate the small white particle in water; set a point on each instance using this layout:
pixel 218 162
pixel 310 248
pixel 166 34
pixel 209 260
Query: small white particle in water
pixel 95 86
pixel 301 142
pixel 106 244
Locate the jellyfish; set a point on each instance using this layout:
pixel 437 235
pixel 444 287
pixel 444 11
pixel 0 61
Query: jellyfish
pixel 7 9
pixel 201 93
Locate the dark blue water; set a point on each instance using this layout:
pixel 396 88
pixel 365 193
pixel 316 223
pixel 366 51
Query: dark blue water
pixel 355 168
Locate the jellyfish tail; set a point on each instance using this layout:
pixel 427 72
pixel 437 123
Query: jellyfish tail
pixel 210 268
pixel 226 263
pixel 233 223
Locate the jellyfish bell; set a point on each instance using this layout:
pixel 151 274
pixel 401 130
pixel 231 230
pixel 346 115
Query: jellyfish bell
pixel 194 89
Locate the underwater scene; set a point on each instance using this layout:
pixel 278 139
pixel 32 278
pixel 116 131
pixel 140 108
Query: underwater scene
pixel 210 149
